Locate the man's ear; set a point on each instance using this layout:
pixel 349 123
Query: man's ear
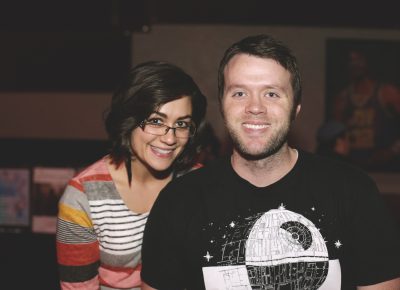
pixel 298 108
pixel 295 112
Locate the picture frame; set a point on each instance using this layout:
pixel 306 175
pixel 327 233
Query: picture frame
pixel 14 199
pixel 363 93
pixel 48 185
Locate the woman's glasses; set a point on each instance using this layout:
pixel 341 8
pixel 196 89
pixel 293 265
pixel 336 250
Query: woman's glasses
pixel 184 129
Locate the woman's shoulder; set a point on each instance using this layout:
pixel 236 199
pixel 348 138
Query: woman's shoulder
pixel 95 171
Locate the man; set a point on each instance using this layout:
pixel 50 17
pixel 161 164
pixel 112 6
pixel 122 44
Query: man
pixel 270 216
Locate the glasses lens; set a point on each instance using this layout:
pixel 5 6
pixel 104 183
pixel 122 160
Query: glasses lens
pixel 161 129
pixel 185 132
pixel 154 129
pixel 182 132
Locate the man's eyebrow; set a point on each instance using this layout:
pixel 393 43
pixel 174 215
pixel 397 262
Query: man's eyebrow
pixel 235 86
pixel 244 86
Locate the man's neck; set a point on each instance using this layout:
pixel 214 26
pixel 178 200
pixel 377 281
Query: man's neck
pixel 266 171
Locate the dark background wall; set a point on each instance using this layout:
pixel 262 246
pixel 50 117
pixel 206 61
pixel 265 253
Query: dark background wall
pixel 59 61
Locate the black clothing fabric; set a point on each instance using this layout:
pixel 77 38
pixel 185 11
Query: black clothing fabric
pixel 322 226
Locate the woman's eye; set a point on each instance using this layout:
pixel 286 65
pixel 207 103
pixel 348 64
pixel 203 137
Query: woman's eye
pixel 182 124
pixel 155 121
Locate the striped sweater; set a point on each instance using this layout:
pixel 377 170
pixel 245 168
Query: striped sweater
pixel 98 238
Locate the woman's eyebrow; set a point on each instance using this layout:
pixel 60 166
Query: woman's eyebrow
pixel 166 116
pixel 160 114
pixel 185 117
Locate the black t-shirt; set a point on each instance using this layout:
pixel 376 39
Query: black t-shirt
pixel 322 226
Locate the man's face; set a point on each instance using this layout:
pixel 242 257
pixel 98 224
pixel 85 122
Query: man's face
pixel 358 67
pixel 257 105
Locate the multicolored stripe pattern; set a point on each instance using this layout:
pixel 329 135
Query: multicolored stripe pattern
pixel 99 239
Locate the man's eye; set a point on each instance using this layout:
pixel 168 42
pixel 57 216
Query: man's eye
pixel 238 94
pixel 272 95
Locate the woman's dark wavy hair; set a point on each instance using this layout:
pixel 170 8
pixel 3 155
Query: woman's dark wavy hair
pixel 148 86
pixel 263 46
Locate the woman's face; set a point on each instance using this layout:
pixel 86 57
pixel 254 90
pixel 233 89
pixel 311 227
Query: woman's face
pixel 159 152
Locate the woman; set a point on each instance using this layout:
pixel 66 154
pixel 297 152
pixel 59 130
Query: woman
pixel 151 124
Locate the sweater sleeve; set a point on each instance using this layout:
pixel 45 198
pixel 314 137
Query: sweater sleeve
pixel 78 252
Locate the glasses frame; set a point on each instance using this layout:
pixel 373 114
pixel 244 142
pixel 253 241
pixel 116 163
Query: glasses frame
pixel 191 129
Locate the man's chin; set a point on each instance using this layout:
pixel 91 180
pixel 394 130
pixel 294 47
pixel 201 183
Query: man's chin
pixel 254 154
pixel 258 153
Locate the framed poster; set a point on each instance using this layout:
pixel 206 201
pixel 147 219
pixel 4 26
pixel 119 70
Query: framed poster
pixel 363 93
pixel 48 184
pixel 14 197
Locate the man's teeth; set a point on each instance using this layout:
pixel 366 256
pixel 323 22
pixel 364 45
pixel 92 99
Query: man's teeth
pixel 255 126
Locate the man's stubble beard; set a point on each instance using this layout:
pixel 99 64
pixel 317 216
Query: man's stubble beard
pixel 273 145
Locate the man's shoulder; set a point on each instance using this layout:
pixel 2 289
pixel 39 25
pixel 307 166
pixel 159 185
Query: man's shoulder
pixel 205 175
pixel 191 187
pixel 330 169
